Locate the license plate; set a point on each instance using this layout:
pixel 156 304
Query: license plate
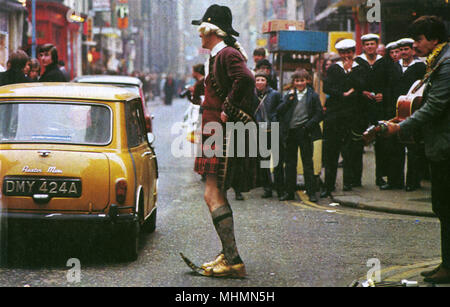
pixel 53 187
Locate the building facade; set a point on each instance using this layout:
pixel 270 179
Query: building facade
pixel 13 28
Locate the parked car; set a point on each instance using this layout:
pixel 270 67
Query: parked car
pixel 131 83
pixel 77 153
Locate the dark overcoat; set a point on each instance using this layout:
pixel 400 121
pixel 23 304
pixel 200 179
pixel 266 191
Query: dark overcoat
pixel 53 74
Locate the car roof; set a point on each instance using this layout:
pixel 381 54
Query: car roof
pixel 66 91
pixel 109 79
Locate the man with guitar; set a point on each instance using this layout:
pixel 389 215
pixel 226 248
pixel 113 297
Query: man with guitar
pixel 433 119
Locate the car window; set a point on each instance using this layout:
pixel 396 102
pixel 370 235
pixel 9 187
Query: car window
pixel 135 121
pixel 55 123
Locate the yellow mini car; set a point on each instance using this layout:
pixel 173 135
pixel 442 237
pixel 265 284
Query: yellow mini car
pixel 77 153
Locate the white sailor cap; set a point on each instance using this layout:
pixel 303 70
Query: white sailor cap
pixel 345 44
pixel 392 45
pixel 405 42
pixel 369 37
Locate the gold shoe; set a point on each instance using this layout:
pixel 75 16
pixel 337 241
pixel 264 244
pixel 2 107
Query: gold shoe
pixel 214 262
pixel 224 269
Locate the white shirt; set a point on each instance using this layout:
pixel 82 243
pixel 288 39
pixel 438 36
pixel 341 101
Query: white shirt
pixel 364 57
pixel 404 68
pixel 217 48
pixel 301 94
pixel 340 63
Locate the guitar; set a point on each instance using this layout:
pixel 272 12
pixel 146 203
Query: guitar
pixel 406 106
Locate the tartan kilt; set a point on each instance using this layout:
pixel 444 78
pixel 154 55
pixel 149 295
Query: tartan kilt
pixel 207 166
pixel 240 173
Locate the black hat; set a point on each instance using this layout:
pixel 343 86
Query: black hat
pixel 219 16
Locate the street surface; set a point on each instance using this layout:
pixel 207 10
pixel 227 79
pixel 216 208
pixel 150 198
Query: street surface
pixel 283 244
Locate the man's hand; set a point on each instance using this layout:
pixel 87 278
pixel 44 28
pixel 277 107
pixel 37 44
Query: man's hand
pixel 348 64
pixel 392 128
pixel 348 93
pixel 379 97
pixel 369 95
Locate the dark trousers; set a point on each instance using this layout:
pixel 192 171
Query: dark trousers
pixel 266 175
pixel 415 164
pixel 299 137
pixel 440 184
pixel 381 157
pixel 339 139
pixel 395 162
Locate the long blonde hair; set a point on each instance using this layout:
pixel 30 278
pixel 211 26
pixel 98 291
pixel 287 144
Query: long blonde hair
pixel 208 28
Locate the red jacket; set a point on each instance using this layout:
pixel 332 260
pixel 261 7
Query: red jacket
pixel 235 79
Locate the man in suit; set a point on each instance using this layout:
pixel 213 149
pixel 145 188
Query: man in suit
pixel 433 120
pixel 229 94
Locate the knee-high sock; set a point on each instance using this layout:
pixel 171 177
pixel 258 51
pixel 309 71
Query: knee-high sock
pixel 223 222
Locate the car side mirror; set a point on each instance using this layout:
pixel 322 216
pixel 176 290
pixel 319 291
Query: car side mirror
pixel 150 138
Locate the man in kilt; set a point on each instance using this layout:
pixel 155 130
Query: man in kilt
pixel 229 88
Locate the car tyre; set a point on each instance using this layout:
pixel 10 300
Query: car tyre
pixel 150 223
pixel 128 245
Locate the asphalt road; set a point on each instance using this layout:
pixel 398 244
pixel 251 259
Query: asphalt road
pixel 283 244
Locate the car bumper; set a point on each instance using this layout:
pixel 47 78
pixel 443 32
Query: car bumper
pixel 106 221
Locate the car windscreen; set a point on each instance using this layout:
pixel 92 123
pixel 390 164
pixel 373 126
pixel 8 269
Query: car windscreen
pixel 83 124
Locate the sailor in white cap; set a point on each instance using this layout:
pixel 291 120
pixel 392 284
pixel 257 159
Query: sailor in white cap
pixel 346 49
pixel 406 53
pixel 394 51
pixel 369 37
pixel 373 92
pixel 343 115
pixel 406 71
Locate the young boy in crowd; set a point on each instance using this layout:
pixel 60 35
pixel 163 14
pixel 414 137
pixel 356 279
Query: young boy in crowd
pixel 300 114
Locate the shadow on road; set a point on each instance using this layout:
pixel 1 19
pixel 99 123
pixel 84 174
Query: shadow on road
pixel 26 249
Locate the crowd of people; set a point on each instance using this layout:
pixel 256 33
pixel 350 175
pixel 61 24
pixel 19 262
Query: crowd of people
pixel 48 67
pixel 360 91
pixel 23 69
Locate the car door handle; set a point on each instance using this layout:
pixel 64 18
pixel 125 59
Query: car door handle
pixel 148 153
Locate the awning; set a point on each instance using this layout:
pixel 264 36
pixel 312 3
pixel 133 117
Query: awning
pixel 349 3
pixel 332 8
pixel 12 6
pixel 325 13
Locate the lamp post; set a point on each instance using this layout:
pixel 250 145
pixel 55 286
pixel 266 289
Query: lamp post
pixel 33 21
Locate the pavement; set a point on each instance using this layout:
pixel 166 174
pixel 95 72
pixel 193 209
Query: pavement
pixel 370 197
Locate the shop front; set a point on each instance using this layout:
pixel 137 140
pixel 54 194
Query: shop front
pixel 12 15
